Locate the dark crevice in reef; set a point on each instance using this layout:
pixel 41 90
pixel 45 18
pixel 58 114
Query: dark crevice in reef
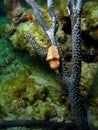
pixel 90 54
pixel 88 40
pixel 67 25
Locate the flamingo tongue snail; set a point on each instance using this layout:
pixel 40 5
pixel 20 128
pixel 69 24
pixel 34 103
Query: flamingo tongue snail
pixel 53 57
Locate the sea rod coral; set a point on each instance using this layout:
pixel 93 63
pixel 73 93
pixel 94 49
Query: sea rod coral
pixel 71 80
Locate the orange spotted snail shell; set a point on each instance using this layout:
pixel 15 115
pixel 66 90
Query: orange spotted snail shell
pixel 53 57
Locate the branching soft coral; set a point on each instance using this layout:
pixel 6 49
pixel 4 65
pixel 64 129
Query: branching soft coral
pixel 72 81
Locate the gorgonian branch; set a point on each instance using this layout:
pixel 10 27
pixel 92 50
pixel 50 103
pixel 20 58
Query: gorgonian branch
pixel 50 5
pixel 80 114
pixel 72 81
pixel 41 52
pixel 75 8
pixel 38 14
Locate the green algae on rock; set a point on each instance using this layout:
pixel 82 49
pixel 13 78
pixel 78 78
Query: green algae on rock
pixel 90 19
pixel 89 70
pixel 24 94
pixel 89 91
pixel 25 88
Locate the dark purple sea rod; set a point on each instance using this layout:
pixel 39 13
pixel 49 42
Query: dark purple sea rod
pixel 72 81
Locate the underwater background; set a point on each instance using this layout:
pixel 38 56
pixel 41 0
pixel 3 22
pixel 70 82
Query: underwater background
pixel 29 89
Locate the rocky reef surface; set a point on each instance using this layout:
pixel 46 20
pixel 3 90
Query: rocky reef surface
pixel 28 87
